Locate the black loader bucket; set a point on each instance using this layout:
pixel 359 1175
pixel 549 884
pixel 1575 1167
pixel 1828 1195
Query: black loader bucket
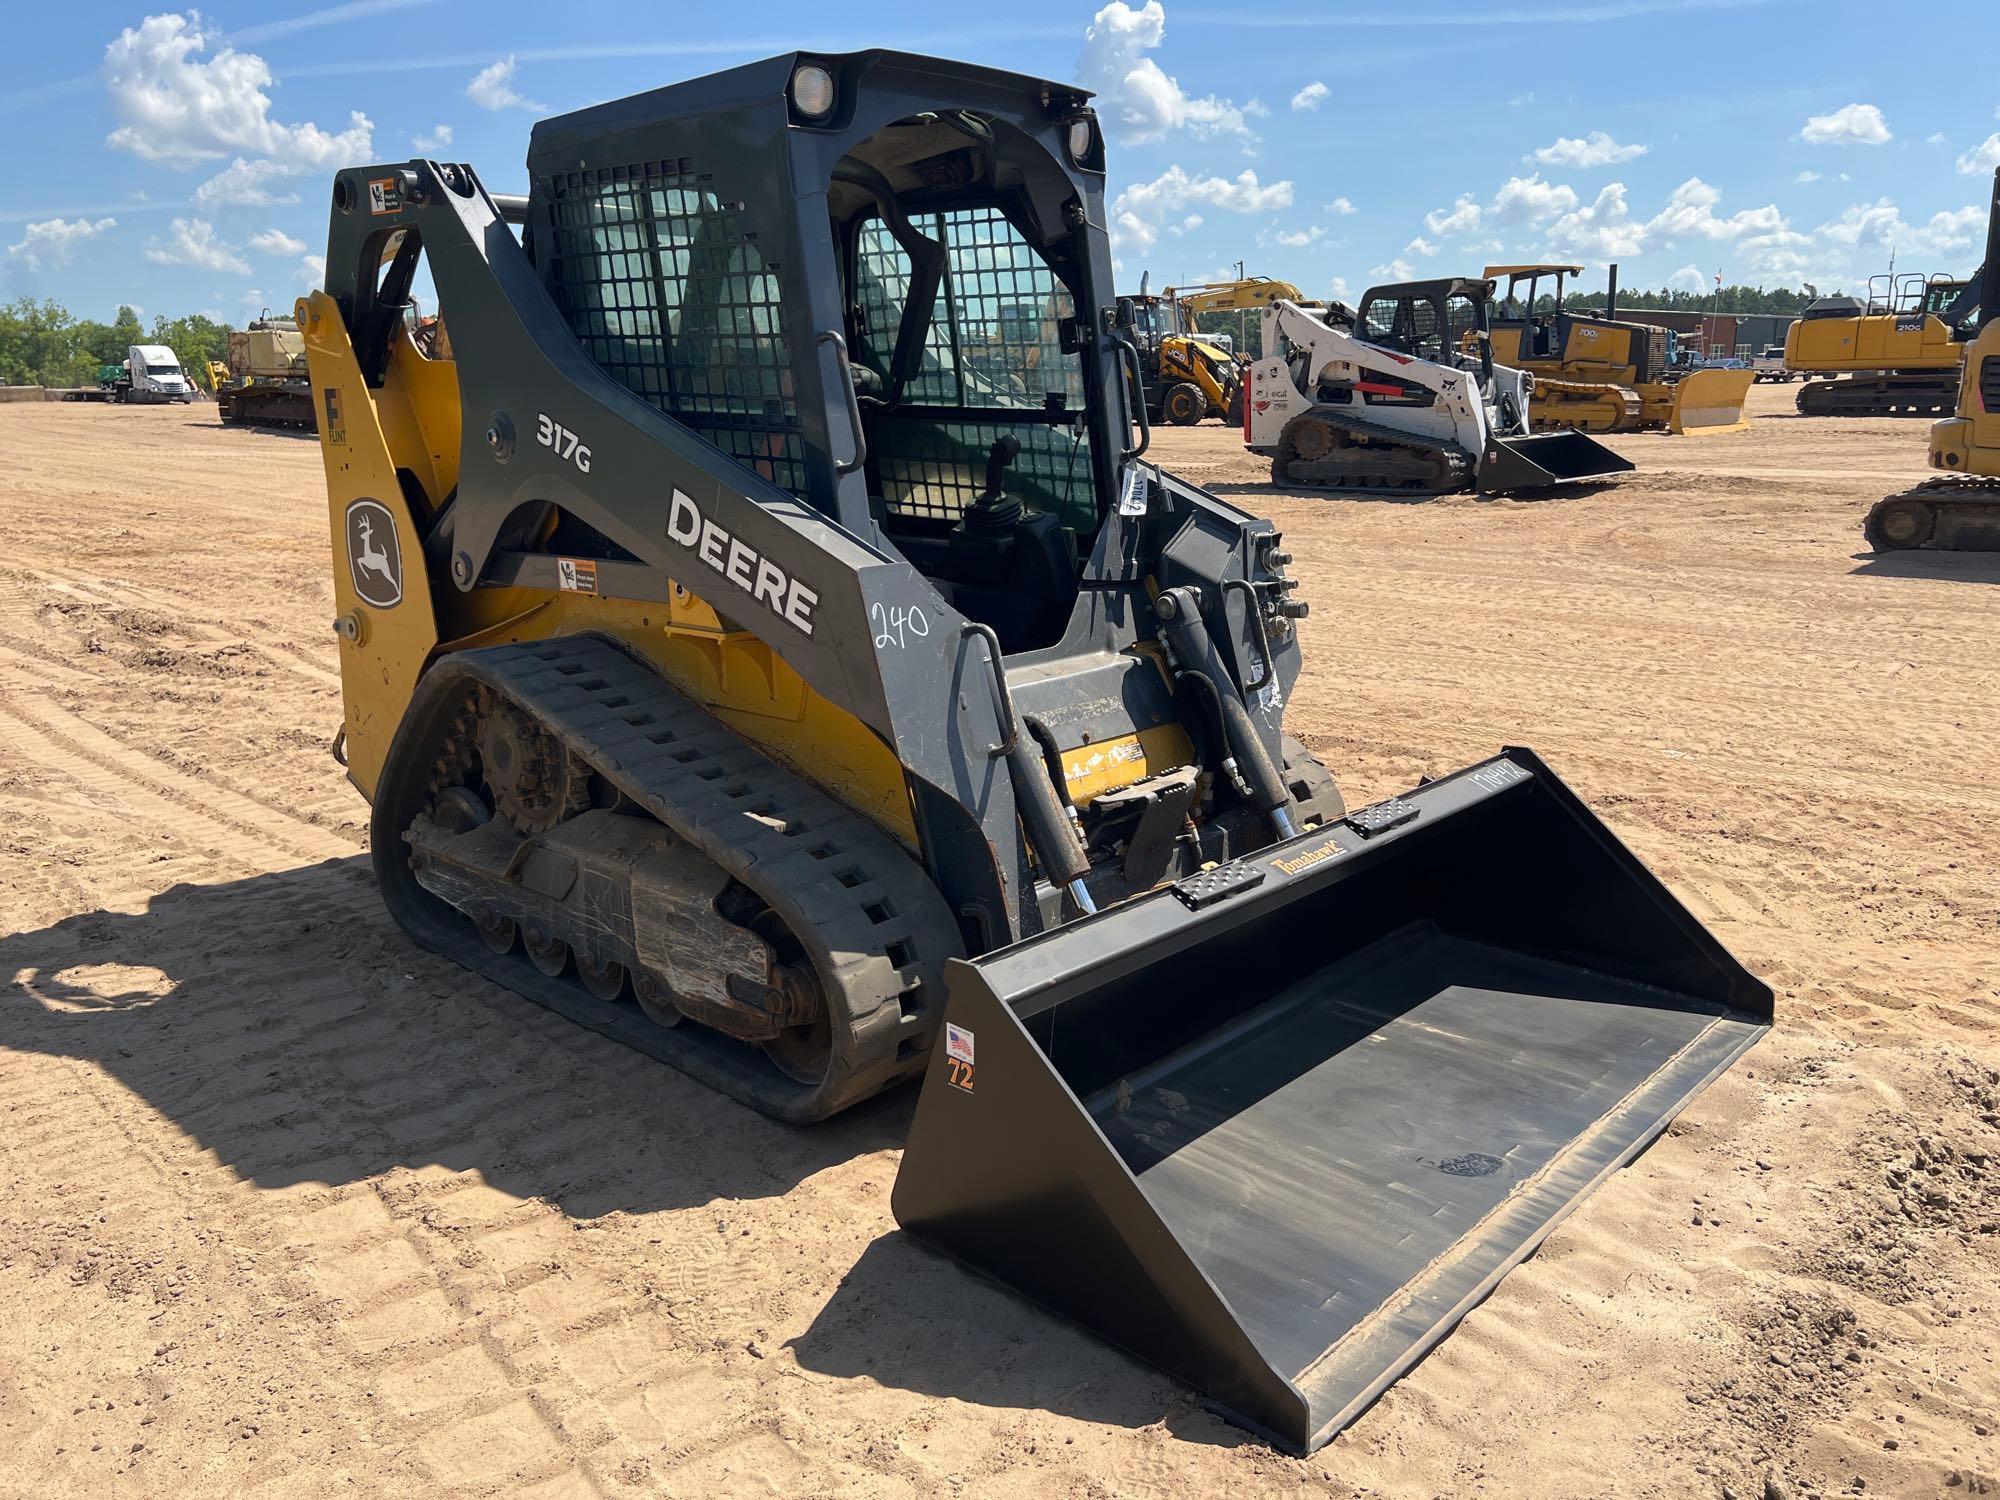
pixel 1544 460
pixel 1277 1128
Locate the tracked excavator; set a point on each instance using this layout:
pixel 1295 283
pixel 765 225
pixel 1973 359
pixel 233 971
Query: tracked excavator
pixel 1896 355
pixel 1960 510
pixel 1404 398
pixel 1602 374
pixel 735 668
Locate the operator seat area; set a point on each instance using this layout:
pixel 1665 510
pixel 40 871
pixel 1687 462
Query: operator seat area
pixel 978 464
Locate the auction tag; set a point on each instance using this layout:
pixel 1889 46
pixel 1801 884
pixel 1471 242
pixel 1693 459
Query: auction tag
pixel 1134 496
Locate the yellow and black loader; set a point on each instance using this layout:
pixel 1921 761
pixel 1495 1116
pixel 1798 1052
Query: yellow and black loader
pixel 764 640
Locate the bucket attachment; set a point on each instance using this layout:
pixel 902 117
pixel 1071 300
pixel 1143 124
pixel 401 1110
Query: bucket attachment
pixel 1544 460
pixel 1709 401
pixel 1278 1127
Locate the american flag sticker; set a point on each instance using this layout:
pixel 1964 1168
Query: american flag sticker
pixel 957 1042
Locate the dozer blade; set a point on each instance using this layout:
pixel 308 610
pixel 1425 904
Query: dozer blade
pixel 1711 401
pixel 1277 1128
pixel 1545 460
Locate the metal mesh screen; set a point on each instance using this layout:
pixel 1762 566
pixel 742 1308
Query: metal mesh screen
pixel 665 292
pixel 993 345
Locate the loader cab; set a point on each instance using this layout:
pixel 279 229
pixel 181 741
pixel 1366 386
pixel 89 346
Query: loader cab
pixel 880 283
pixel 1445 322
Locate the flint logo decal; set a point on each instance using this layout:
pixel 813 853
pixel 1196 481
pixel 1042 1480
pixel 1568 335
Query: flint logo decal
pixel 732 557
pixel 958 1056
pixel 336 429
pixel 374 556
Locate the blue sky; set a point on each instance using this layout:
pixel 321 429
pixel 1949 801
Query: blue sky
pixel 179 160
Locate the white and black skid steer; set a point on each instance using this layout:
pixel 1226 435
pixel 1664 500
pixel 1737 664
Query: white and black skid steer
pixel 1405 400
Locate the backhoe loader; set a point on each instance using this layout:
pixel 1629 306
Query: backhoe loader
pixel 1600 374
pixel 1403 398
pixel 1183 376
pixel 1895 355
pixel 738 669
pixel 1959 512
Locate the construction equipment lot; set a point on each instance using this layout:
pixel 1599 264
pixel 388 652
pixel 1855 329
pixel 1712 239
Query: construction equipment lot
pixel 291 1204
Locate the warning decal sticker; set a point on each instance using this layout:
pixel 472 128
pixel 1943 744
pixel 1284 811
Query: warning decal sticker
pixel 576 575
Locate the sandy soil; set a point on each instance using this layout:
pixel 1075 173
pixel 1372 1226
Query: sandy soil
pixel 286 1205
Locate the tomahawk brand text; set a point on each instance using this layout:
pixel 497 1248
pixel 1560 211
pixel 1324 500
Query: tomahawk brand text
pixel 739 562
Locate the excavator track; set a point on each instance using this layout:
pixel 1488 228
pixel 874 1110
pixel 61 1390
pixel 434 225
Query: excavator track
pixel 595 733
pixel 1960 514
pixel 1590 406
pixel 1880 396
pixel 1327 448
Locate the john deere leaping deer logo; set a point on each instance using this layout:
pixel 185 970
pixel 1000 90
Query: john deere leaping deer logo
pixel 374 557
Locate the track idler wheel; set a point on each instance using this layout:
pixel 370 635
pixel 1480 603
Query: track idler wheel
pixel 1900 523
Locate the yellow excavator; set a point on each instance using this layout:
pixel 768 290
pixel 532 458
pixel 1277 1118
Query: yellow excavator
pixel 1896 355
pixel 738 668
pixel 1599 374
pixel 1960 510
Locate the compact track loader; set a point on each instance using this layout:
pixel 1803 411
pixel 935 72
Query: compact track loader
pixel 1959 511
pixel 1602 374
pixel 1403 398
pixel 765 642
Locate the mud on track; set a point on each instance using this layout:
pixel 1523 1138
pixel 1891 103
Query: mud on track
pixel 288 1204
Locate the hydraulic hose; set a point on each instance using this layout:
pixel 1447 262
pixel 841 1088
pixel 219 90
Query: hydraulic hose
pixel 1195 657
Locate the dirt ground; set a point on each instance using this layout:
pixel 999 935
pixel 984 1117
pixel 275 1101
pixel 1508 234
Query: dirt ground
pixel 288 1206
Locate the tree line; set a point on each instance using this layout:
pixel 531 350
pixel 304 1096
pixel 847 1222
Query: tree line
pixel 42 343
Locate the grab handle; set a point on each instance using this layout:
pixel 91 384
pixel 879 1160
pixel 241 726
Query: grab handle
pixel 1003 699
pixel 853 404
pixel 1130 356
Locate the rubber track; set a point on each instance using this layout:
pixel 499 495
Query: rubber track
pixel 847 890
pixel 1879 396
pixel 1965 515
pixel 1458 463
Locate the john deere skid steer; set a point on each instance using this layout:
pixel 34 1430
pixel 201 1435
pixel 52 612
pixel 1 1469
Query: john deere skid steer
pixel 764 641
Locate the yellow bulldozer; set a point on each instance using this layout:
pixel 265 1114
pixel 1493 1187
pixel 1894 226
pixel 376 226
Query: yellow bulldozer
pixel 1600 374
pixel 1960 510
pixel 737 670
pixel 1895 355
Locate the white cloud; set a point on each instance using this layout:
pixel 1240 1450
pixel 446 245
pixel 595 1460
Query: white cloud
pixel 192 242
pixel 1139 100
pixel 1396 270
pixel 1312 96
pixel 1985 157
pixel 276 242
pixel 1689 279
pixel 1807 176
pixel 1880 225
pixel 1139 211
pixel 254 184
pixel 1337 289
pixel 1532 201
pixel 1594 150
pixel 1461 218
pixel 1297 239
pixel 1187 226
pixel 493 88
pixel 1850 125
pixel 435 139
pixel 173 107
pixel 314 266
pixel 1420 246
pixel 1602 230
pixel 50 244
pixel 1935 138
pixel 1691 211
pixel 1340 206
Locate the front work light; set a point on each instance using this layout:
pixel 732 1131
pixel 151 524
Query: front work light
pixel 812 91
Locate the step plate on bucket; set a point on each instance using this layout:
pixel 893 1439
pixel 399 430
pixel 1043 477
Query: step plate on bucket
pixel 1280 1145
